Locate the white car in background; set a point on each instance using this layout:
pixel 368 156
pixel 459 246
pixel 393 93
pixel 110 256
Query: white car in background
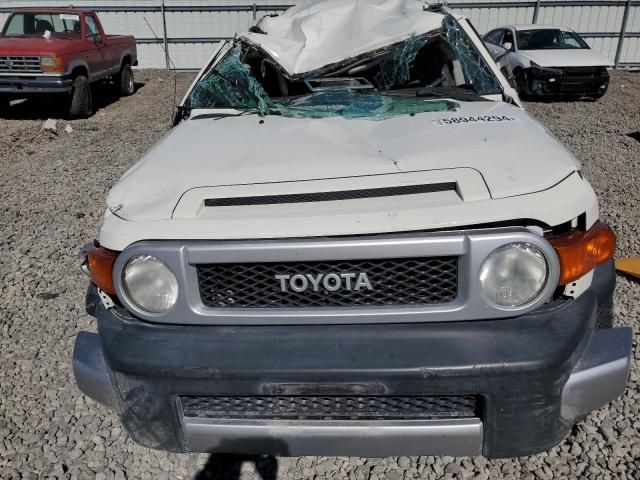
pixel 548 60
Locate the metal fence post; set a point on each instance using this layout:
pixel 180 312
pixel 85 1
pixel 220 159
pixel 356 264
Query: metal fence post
pixel 164 36
pixel 536 11
pixel 623 31
pixel 255 11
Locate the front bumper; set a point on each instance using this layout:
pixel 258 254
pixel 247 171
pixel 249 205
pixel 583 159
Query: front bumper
pixel 535 376
pixel 546 81
pixel 18 85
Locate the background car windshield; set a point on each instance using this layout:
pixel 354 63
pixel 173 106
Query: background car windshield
pixel 549 39
pixel 34 24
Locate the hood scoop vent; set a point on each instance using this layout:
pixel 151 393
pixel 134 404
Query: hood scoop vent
pixel 331 196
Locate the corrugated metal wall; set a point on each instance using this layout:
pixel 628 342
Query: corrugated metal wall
pixel 194 26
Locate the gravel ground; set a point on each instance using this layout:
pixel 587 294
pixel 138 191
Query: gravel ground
pixel 53 190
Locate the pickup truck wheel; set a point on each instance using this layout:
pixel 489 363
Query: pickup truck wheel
pixel 81 100
pixel 126 81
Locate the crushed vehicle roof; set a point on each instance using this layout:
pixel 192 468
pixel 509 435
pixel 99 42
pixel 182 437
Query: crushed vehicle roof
pixel 317 33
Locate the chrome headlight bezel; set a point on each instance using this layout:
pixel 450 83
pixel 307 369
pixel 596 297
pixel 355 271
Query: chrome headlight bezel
pixel 536 255
pixel 155 267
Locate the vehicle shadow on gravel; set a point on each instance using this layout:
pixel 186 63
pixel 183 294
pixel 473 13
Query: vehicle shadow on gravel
pixel 105 96
pixel 228 466
pixel 50 106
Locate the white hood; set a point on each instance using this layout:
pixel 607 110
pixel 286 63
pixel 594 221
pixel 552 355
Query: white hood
pixel 284 155
pixel 317 33
pixel 567 58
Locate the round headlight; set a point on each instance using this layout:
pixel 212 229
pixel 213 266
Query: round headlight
pixel 149 284
pixel 514 274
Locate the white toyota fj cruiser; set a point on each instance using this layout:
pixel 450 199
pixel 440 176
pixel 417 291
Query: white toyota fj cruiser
pixel 354 241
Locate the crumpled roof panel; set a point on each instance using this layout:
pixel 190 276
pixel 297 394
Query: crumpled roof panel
pixel 317 33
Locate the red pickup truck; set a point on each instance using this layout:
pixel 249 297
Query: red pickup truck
pixel 62 50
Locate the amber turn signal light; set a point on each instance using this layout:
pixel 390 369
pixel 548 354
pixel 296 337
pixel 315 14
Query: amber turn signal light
pixel 579 251
pixel 100 263
pixel 51 65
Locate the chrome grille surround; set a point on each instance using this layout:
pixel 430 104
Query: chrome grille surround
pixel 471 247
pixel 15 64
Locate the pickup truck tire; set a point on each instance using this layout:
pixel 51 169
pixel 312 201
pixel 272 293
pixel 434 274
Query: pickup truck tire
pixel 125 81
pixel 81 99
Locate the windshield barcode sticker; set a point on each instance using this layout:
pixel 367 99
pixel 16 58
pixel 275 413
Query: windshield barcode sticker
pixel 443 122
pixel 66 16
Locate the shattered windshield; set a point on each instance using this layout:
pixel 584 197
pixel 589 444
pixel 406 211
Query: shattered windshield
pixel 379 85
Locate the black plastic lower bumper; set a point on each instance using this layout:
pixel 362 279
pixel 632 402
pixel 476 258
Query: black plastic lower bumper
pixel 559 82
pixel 19 85
pixel 534 375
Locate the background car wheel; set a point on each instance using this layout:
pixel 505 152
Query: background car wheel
pixel 125 81
pixel 509 76
pixel 81 99
pixel 521 83
pixel 5 104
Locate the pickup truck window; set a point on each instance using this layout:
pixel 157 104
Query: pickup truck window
pixel 401 79
pixel 37 23
pixel 91 27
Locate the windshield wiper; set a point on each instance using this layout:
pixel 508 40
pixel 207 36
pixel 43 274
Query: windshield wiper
pixel 218 115
pixel 464 92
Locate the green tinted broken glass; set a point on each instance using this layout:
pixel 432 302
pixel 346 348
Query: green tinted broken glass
pixel 475 68
pixel 347 103
pixel 395 70
pixel 230 84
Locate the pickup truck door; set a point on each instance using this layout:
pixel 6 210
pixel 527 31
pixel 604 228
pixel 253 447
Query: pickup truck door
pixel 100 61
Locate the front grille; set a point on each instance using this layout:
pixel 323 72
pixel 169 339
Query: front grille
pixel 582 71
pixel 399 281
pixel 331 407
pixel 20 65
